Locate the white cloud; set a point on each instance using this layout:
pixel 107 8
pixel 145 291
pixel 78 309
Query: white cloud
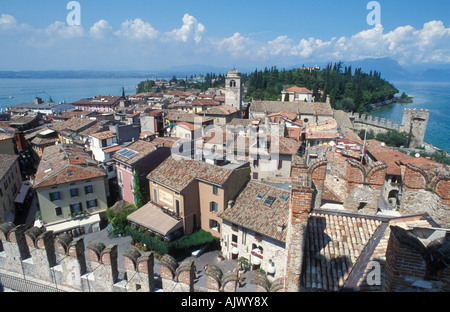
pixel 8 24
pixel 137 29
pixel 280 46
pixel 100 29
pixel 191 28
pixel 236 45
pixel 404 44
pixel 64 31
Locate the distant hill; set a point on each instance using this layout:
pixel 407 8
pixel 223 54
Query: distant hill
pixel 390 70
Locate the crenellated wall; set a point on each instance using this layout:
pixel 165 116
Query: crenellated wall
pixel 32 254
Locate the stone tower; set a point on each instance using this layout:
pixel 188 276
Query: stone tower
pixel 233 90
pixel 415 122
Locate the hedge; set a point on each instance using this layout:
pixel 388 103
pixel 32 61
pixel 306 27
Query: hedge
pixel 173 248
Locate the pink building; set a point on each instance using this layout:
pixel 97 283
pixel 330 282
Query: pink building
pixel 99 104
pixel 142 156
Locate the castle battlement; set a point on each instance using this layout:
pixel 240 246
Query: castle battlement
pixel 374 121
pixel 59 263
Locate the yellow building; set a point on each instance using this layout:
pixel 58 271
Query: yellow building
pixel 10 183
pixel 72 190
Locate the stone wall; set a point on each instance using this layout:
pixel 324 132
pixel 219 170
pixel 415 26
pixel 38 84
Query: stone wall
pixel 414 264
pixel 60 263
pixel 364 186
pixel 426 191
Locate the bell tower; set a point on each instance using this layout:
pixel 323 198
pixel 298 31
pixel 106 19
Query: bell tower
pixel 233 90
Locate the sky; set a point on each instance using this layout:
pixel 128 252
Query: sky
pixel 159 35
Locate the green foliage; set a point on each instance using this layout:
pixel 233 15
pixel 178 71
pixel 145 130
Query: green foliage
pixel 176 247
pixel 140 190
pixel 391 138
pixel 348 90
pixel 394 138
pixel 210 80
pixel 438 156
pixel 118 219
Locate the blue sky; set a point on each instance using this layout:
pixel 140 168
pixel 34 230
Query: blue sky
pixel 142 34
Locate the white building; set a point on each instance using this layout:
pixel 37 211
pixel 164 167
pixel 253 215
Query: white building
pixel 255 228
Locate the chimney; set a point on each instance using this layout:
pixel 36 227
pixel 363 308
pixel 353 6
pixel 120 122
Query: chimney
pixel 300 209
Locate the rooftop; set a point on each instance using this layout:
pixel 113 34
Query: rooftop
pixel 178 173
pixel 99 100
pixel 7 161
pixel 263 208
pixel 296 89
pixel 340 245
pixel 297 107
pixel 65 163
pixel 394 158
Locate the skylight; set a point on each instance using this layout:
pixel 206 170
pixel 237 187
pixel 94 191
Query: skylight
pixel 260 196
pixel 269 201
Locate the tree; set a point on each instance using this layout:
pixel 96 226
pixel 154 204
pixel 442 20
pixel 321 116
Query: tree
pixel 140 192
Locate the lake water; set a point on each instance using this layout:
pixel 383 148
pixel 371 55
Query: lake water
pixel 434 96
pixel 69 90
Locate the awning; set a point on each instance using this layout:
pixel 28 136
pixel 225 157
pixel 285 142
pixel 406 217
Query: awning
pixel 72 224
pixel 20 198
pixel 154 219
pixel 235 251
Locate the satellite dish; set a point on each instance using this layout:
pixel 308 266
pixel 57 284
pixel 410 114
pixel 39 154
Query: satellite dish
pixel 383 144
pixel 417 155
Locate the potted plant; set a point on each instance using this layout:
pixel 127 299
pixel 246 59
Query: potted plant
pixel 242 264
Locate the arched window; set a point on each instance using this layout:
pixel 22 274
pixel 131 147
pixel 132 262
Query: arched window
pixel 232 84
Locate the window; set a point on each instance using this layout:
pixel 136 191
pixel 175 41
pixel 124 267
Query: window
pixel 1 193
pixel 91 203
pixel 74 192
pixel 58 211
pixel 55 196
pixel 120 177
pixel 155 195
pixel 213 207
pixel 215 190
pixel 260 196
pixel 187 136
pixel 234 238
pixel 214 225
pixel 177 206
pixel 269 201
pixel 89 189
pixel 75 208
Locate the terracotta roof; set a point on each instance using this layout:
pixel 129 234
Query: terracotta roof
pixel 74 124
pixel 112 149
pixel 7 162
pixel 64 164
pixel 298 90
pixel 104 135
pixel 254 212
pixel 337 249
pixel 139 150
pixel 187 125
pixel 285 114
pixel 221 110
pixel 177 174
pixel 394 158
pixel 296 107
pixel 205 102
pixel 99 100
